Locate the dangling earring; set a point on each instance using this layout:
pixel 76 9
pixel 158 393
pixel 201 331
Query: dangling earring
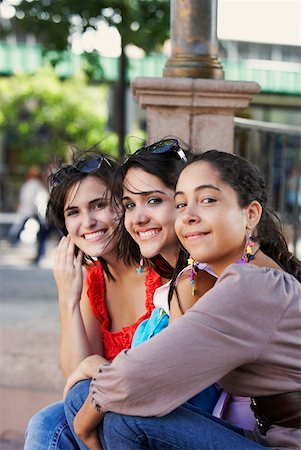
pixel 193 272
pixel 247 255
pixel 140 268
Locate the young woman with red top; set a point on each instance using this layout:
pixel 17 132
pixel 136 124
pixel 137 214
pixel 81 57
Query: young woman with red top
pixel 100 310
pixel 107 320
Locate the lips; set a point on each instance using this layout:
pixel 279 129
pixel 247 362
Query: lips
pixel 195 234
pixel 94 235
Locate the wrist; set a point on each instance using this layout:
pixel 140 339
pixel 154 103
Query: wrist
pixel 69 305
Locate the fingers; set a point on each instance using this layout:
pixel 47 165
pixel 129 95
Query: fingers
pixel 70 253
pixel 65 253
pixel 60 253
pixel 79 260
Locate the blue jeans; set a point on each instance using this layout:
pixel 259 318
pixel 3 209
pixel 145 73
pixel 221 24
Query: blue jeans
pixel 185 428
pixel 52 429
pixel 48 430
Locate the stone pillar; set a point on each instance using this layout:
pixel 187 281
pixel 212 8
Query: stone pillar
pixel 185 103
pixel 198 111
pixel 194 44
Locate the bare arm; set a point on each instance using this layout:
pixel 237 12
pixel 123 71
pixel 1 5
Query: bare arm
pixel 85 425
pixel 87 418
pixel 77 320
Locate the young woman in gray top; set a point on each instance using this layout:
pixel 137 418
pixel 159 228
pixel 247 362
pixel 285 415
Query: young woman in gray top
pixel 244 332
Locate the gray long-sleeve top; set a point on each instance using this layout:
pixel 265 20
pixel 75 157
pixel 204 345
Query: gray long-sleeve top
pixel 244 333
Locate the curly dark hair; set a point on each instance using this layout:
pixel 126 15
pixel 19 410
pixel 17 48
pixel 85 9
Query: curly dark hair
pixel 246 180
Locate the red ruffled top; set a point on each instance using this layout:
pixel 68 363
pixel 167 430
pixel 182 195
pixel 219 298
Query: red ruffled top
pixel 115 341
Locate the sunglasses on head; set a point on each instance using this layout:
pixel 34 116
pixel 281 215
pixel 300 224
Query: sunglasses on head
pixel 164 146
pixel 87 164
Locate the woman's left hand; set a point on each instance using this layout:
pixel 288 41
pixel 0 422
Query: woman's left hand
pixel 87 369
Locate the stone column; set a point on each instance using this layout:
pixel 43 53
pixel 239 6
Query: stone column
pixel 194 44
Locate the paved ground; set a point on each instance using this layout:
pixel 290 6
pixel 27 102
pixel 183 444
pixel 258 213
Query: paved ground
pixel 30 376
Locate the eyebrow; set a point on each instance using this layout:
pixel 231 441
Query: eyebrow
pixel 199 188
pixel 145 193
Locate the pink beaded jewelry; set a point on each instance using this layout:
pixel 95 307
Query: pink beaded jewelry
pixel 247 255
pixel 193 272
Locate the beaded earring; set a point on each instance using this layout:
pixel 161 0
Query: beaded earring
pixel 140 268
pixel 193 272
pixel 247 255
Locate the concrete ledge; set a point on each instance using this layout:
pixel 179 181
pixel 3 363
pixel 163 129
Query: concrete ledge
pixel 18 406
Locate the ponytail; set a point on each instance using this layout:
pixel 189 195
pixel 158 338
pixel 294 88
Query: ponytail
pixel 273 243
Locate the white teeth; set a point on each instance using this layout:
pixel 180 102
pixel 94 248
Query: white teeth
pixel 94 235
pixel 143 234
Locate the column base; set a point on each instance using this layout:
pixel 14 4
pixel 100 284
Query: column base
pixel 193 66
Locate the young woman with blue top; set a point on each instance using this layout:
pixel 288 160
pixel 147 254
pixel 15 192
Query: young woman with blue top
pixel 147 180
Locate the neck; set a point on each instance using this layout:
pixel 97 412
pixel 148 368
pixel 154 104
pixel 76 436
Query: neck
pixel 220 266
pixel 170 257
pixel 118 268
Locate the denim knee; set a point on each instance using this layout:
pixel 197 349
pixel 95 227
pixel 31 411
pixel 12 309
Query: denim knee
pixel 47 429
pixel 76 397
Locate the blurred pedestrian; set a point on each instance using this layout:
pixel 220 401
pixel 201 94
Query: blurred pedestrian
pixel 33 198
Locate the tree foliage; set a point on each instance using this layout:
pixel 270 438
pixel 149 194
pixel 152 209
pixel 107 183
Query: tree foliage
pixel 43 116
pixel 144 23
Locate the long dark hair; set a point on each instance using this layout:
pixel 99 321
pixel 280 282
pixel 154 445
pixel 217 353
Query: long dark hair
pixel 167 167
pixel 68 175
pixel 246 180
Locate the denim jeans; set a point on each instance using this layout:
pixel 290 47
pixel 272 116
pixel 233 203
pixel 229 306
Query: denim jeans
pixel 186 428
pixel 51 429
pixel 48 430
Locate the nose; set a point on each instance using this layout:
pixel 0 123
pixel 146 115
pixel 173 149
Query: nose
pixel 140 215
pixel 189 216
pixel 88 220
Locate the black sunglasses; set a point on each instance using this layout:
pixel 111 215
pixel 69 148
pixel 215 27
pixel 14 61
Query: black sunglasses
pixel 87 164
pixel 164 146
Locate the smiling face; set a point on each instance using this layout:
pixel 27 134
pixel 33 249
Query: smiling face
pixel 150 214
pixel 210 223
pixel 89 219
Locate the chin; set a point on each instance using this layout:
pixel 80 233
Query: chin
pixel 197 258
pixel 149 254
